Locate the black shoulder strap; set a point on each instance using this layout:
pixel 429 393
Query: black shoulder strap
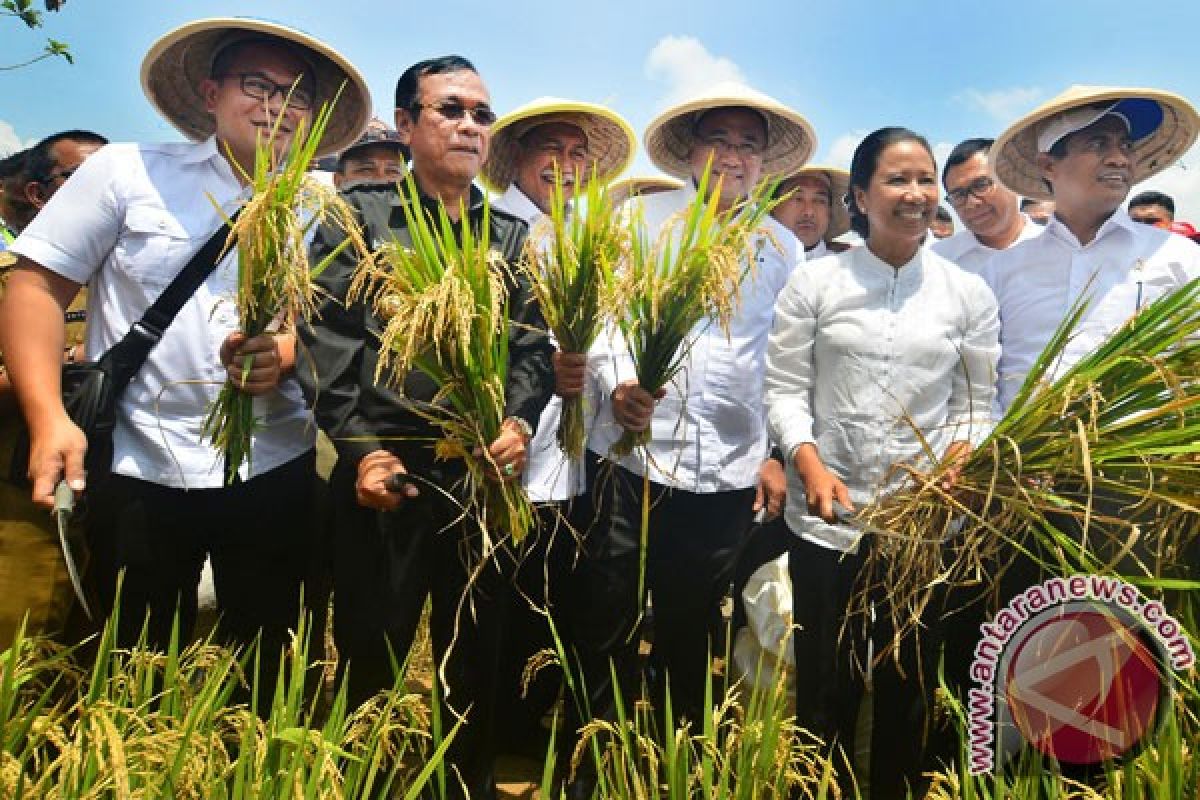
pixel 127 356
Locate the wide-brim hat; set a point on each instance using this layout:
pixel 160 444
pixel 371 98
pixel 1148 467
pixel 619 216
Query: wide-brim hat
pixel 177 63
pixel 839 186
pixel 790 138
pixel 1014 155
pixel 637 185
pixel 611 140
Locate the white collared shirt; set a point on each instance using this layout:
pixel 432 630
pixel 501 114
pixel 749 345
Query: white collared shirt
pixel 126 223
pixel 965 249
pixel 550 476
pixel 820 250
pixel 708 433
pixel 1037 282
pixel 861 353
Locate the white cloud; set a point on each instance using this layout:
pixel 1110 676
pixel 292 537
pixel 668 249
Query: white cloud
pixel 841 152
pixel 1182 182
pixel 10 142
pixel 686 67
pixel 1003 105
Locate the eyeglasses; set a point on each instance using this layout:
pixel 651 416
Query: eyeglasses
pixel 259 87
pixel 454 111
pixel 980 187
pixel 720 144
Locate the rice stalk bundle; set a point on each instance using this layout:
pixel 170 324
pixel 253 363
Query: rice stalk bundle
pixel 1095 471
pixel 691 271
pixel 571 258
pixel 445 303
pixel 275 284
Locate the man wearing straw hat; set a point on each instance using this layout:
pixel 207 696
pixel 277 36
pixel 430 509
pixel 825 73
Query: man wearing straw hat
pixel 530 145
pixel 814 207
pixel 401 534
pixel 708 459
pixel 990 212
pixel 126 223
pixel 1084 150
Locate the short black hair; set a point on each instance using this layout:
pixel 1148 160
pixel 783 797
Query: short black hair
pixel 407 84
pixel 866 159
pixel 963 152
pixel 943 215
pixel 41 162
pixel 1153 198
pixel 13 164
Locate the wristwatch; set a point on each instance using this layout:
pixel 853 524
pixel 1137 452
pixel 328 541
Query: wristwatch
pixel 522 425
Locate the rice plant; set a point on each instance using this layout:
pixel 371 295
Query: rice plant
pixel 1096 471
pixel 571 258
pixel 686 273
pixel 275 284
pixel 137 723
pixel 444 299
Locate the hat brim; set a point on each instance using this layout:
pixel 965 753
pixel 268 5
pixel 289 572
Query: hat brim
pixel 1015 153
pixel 637 185
pixel 839 187
pixel 177 64
pixel 791 140
pixel 611 140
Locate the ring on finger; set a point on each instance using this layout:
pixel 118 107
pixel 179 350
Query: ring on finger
pixel 509 469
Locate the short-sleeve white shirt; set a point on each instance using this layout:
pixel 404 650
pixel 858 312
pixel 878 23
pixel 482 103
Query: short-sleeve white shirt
pixel 125 224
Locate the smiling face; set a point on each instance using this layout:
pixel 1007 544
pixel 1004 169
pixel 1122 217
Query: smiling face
pixel 241 119
pixel 446 151
pixel 1096 172
pixel 735 139
pixel 806 207
pixel 901 198
pixel 542 149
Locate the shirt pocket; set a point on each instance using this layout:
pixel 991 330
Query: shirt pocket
pixel 153 246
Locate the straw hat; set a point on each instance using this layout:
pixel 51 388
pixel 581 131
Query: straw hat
pixel 1161 135
pixel 790 139
pixel 641 185
pixel 177 63
pixel 611 141
pixel 839 186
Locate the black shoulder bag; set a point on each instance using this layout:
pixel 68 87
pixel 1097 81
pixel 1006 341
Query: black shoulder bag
pixel 90 389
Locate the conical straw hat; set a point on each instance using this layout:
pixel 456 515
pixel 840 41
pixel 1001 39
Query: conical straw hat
pixel 611 141
pixel 177 63
pixel 790 138
pixel 1014 155
pixel 839 185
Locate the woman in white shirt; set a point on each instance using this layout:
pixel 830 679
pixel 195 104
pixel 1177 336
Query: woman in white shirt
pixel 873 350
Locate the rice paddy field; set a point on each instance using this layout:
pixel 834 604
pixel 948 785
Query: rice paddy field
pixel 138 724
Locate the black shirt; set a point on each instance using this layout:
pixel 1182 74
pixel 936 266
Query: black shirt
pixel 339 348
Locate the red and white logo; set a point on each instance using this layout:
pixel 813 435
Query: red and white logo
pixel 1085 683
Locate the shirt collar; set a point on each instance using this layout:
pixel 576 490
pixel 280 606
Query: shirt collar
pixel 198 152
pixel 474 199
pixel 518 203
pixel 1117 221
pixel 906 272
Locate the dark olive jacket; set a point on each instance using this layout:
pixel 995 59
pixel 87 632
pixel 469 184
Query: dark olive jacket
pixel 338 349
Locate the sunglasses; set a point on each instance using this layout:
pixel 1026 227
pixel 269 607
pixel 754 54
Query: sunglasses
pixel 454 111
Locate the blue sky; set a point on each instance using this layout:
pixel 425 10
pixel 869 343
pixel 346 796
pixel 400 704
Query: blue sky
pixel 949 70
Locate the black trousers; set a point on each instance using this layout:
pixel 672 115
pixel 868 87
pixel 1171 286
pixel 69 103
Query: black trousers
pixel 692 546
pixel 385 565
pixel 258 533
pixel 540 572
pixel 830 687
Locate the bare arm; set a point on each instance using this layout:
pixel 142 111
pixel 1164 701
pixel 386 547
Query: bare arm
pixel 32 335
